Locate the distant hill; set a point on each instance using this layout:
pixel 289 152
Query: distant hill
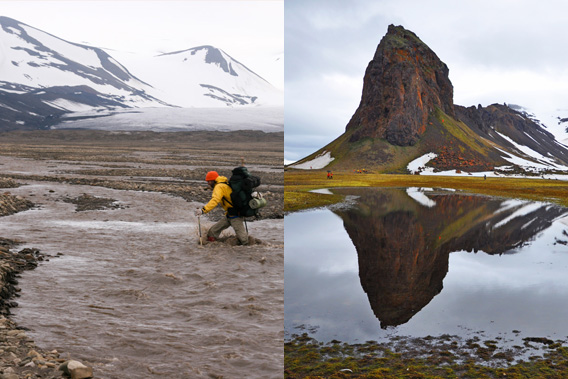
pixel 44 79
pixel 407 114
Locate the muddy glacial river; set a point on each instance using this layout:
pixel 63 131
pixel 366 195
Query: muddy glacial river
pixel 134 294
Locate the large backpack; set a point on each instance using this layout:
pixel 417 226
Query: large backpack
pixel 242 183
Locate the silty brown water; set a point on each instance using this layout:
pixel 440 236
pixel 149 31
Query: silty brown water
pixel 134 295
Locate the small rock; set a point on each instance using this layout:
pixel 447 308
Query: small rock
pixel 34 354
pixel 76 370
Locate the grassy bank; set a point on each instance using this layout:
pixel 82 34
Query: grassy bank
pixel 299 183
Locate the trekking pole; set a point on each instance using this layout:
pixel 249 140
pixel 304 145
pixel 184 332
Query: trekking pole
pixel 199 223
pixel 246 227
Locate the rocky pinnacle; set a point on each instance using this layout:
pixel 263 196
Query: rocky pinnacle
pixel 403 83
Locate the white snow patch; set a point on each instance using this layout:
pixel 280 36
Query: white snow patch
pixel 12 91
pixel 318 162
pixel 420 162
pixel 8 107
pixel 69 105
pixel 509 204
pixel 529 208
pixel 528 223
pixel 550 119
pixel 267 119
pixel 324 191
pixel 491 174
pixel 418 195
pixel 530 152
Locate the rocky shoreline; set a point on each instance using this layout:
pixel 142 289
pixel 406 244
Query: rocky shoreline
pixel 274 194
pixel 444 356
pixel 19 356
pixel 10 204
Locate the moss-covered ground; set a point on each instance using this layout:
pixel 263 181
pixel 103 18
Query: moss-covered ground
pixel 428 358
pixel 299 183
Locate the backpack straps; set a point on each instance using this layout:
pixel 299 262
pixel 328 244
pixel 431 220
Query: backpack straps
pixel 224 199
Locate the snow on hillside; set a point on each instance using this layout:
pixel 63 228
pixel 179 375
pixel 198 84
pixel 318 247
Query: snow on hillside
pixel 267 119
pixel 419 166
pixel 35 59
pixel 420 162
pixel 203 76
pixel 544 162
pixel 318 162
pixel 550 119
pixel 43 77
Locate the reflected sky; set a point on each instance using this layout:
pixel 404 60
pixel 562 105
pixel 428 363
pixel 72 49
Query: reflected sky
pixel 523 289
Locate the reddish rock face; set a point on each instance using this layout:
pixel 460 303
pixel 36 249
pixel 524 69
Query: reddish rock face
pixel 403 83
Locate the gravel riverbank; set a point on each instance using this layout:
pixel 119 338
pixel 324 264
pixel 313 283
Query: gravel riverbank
pixel 19 356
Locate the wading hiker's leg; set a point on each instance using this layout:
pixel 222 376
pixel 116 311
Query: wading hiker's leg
pixel 239 226
pixel 218 227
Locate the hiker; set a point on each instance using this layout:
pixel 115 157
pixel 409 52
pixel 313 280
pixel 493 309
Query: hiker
pixel 222 195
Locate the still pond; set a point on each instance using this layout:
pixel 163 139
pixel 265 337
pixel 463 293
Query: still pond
pixel 415 262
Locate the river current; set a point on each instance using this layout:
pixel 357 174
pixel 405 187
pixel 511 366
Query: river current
pixel 134 295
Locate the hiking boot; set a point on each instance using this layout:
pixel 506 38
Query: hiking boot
pixel 211 239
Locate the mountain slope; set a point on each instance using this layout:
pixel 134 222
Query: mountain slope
pixel 407 112
pixel 44 78
pixel 37 59
pixel 205 76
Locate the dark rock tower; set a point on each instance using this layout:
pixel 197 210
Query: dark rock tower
pixel 403 83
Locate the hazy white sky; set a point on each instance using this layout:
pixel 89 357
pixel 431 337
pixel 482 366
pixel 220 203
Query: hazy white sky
pixel 250 31
pixel 513 51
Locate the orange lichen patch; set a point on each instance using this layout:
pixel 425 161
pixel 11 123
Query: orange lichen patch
pixel 419 98
pixel 403 55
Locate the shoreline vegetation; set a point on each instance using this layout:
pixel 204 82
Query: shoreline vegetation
pixel 430 357
pixel 298 184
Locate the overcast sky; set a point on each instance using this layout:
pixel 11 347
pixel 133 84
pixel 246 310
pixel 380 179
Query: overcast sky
pixel 513 51
pixel 252 32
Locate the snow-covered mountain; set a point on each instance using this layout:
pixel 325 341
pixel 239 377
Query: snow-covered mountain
pixel 553 120
pixel 221 79
pixel 43 77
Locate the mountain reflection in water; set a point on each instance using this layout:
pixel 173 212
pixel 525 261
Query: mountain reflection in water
pixel 403 246
pixel 403 239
